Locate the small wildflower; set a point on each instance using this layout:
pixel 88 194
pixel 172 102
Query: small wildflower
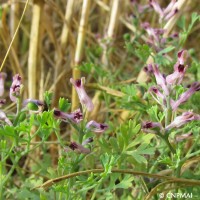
pixel 186 95
pixel 15 89
pixel 2 81
pixel 148 69
pixel 179 138
pixel 77 148
pixel 84 98
pixel 182 56
pixel 166 13
pixel 2 102
pixel 160 80
pixel 75 116
pixel 148 125
pixel 4 118
pixel 154 90
pixel 96 127
pixel 34 104
pixel 183 119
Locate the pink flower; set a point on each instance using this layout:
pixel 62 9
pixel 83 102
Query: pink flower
pixel 15 88
pixel 182 56
pixel 171 14
pixel 2 80
pixel 2 102
pixel 179 69
pixel 35 101
pixel 77 148
pixel 87 141
pixel 186 95
pixel 160 79
pixel 183 119
pixel 34 105
pixel 4 118
pixel 96 127
pixel 156 7
pixel 148 69
pixel 179 138
pixel 75 116
pixel 84 98
pixel 148 125
pixel 166 13
pixel 154 90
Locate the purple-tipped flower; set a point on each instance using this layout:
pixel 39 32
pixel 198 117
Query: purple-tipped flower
pixel 148 69
pixel 75 116
pixel 182 56
pixel 179 69
pixel 149 125
pixel 4 118
pixel 34 105
pixel 96 127
pixel 183 119
pixel 170 7
pixel 171 14
pixel 160 79
pixel 156 7
pixel 186 95
pixel 78 148
pixel 166 13
pixel 177 76
pixel 155 91
pixel 87 141
pixel 2 102
pixel 179 138
pixel 15 88
pixel 84 98
pixel 2 81
pixel 35 101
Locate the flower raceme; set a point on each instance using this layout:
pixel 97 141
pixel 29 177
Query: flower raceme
pixel 83 97
pixel 167 84
pixel 166 13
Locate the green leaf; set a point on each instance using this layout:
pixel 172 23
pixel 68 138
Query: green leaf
pixel 48 98
pixel 166 50
pixel 64 104
pixel 143 52
pixel 125 183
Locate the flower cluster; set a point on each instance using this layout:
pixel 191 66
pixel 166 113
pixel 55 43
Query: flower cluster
pixel 38 106
pixel 164 90
pixel 15 91
pixel 156 37
pixel 168 12
pixel 77 116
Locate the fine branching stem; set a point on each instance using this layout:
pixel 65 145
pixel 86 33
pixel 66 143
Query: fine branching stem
pixel 51 182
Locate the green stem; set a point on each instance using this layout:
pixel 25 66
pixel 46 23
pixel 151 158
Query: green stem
pixel 182 161
pixel 165 138
pixel 18 106
pixel 168 112
pixel 50 182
